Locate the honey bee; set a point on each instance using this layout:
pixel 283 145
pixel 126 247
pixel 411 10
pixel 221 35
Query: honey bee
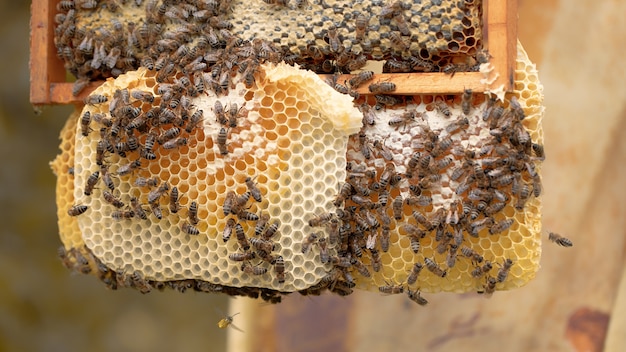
pixel 416 297
pixel 500 226
pixel 240 257
pixel 156 210
pixel 195 119
pixel 452 68
pixel 308 241
pixel 361 24
pixel 95 99
pixel 320 219
pixel 466 101
pixel 168 135
pixel 560 240
pixel 442 107
pixel 137 208
pixel 271 231
pixel 422 220
pixel 490 287
pixel 383 87
pixel 189 229
pixel 146 182
pixel 91 182
pixel 341 262
pixel 413 231
pixel 421 201
pixel 391 289
pixel 84 123
pixel 397 41
pixel 336 47
pixel 470 253
pixel 252 270
pixel 385 100
pixel 123 214
pixel 403 119
pixel 415 243
pixel 222 138
pixel 412 278
pixel 76 210
pixel 253 189
pixel 279 268
pixel 451 258
pixel 480 270
pixel 228 321
pixel 504 270
pixel 111 199
pixel 128 168
pixel 345 191
pixel 361 268
pixel 539 152
pixel 241 237
pixel 174 204
pixel 154 195
pixel 369 117
pixel 234 114
pixel 262 245
pixel 434 268
pixel 403 26
pixel 322 244
pixel 175 143
pixel 458 125
pixel 392 9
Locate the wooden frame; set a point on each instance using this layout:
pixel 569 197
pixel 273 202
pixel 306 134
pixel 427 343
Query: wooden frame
pixel 48 83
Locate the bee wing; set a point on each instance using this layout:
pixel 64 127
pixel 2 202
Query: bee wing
pixel 236 328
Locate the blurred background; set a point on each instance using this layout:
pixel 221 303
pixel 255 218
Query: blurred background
pixel 574 304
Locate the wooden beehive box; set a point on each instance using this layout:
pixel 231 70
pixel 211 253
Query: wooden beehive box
pixel 49 82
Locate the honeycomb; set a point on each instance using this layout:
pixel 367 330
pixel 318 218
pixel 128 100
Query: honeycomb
pixel 328 36
pixel 300 142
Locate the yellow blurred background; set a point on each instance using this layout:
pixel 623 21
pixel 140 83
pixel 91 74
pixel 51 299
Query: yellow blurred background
pixel 572 305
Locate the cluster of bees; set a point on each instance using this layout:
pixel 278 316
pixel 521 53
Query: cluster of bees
pixel 83 261
pixel 95 41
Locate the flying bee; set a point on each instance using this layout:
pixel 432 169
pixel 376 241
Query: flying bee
pixel 434 268
pixel 137 208
pixel 252 270
pixel 279 268
pixel 111 199
pixel 228 321
pixel 504 270
pixel 154 195
pixel 241 237
pixel 222 138
pixel 322 244
pixel 308 242
pixel 466 101
pixel 84 123
pixel 403 119
pixel 416 297
pixel 442 107
pixel 76 210
pixel 189 229
pixel 470 253
pixel 500 226
pixel 123 214
pixel 412 278
pixel 156 210
pixel 91 182
pixel 560 240
pixel 391 289
pixel 95 99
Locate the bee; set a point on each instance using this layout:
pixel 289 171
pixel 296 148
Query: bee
pixel 174 204
pixel 84 123
pixel 324 256
pixel 490 287
pixel 76 210
pixel 442 107
pixel 384 87
pixel 175 143
pixel 361 24
pixel 403 26
pixel 466 101
pixel 195 119
pixel 451 258
pixel 241 237
pixel 137 208
pixel 389 176
pixel 156 210
pixel 369 117
pixel 91 182
pixel 391 289
pixel 341 262
pixel 240 257
pixel 228 228
pixel 480 270
pixel 123 214
pixel 228 321
pixel 111 199
pixel 252 270
pixel 415 240
pixel 279 268
pixel 478 225
pixel 385 100
pixel 361 268
pixel 262 245
pixel 560 240
pixel 539 152
pixel 382 150
pixel 146 182
pixel 95 99
pixel 271 231
pixel 391 10
pixel 168 135
pixel 422 220
pixel 128 168
pixel 504 270
pixel 234 114
pixel 416 297
pixel 333 40
pixel 320 220
pixel 253 189
pixel 222 137
pixel 192 213
pixel 154 195
pixel 452 68
pixel 403 119
pixel 413 231
pixel 412 278
pixel 434 268
pixel 345 191
pixel 470 253
pixel 397 41
pixel 308 241
pixel 189 229
pixel 500 226
pixel 458 125
pixel 147 62
pixel 421 201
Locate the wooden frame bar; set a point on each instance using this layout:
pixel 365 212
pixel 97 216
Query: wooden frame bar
pixel 48 83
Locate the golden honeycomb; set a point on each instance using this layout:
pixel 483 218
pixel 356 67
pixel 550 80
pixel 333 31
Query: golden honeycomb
pixel 97 42
pixel 300 142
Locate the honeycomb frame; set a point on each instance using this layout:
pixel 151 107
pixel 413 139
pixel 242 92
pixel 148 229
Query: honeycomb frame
pixel 49 85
